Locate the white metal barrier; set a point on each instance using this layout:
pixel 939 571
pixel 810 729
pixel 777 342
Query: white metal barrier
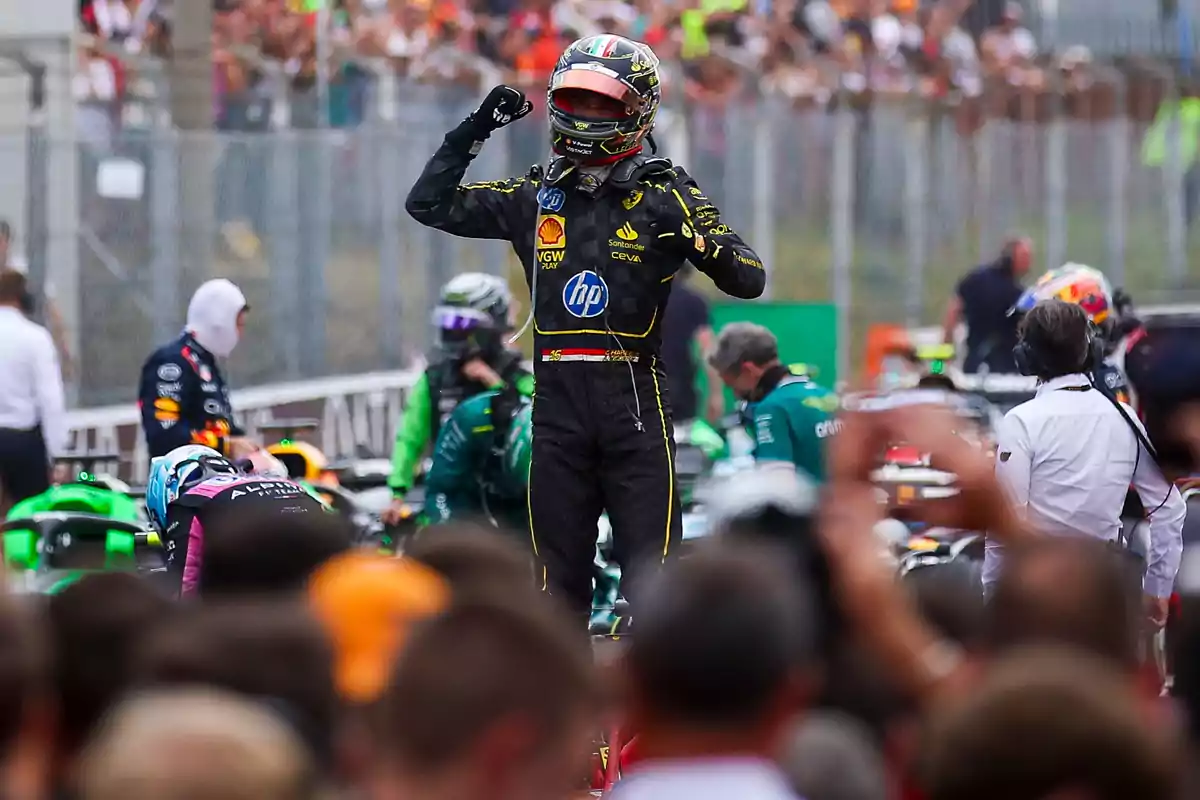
pixel 358 415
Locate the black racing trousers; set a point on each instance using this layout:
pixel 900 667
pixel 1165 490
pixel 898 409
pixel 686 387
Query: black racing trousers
pixel 602 441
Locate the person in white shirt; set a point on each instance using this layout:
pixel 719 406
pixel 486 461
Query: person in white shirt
pixel 12 259
pixel 1068 456
pixel 33 424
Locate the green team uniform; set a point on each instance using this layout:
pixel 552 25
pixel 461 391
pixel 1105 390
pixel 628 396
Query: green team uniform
pixel 791 420
pixel 481 463
pixel 431 401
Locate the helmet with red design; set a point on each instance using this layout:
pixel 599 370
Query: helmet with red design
pixel 1073 283
pixel 602 99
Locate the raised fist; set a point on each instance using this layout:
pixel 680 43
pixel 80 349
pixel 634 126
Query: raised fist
pixel 503 105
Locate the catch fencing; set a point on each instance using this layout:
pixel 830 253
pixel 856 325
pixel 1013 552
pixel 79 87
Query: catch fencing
pixel 878 202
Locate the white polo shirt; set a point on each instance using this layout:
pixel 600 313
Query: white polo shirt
pixel 1067 457
pixel 31 390
pixel 704 779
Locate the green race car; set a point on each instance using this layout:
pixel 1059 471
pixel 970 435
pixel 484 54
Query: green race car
pixel 53 539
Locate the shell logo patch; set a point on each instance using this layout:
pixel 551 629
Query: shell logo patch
pixel 552 232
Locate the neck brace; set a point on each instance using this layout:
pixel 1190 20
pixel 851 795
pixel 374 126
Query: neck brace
pixel 212 316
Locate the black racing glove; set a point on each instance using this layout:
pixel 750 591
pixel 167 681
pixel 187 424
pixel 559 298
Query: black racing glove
pixel 503 105
pixel 681 235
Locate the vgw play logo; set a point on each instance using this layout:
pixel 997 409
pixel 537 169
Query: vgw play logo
pixel 585 295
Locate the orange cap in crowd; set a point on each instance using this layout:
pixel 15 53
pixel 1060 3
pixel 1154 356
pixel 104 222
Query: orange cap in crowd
pixel 367 602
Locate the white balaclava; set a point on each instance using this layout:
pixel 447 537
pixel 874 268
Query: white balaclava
pixel 212 316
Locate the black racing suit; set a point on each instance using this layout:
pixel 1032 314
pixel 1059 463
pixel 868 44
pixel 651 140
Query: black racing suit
pixel 198 508
pixel 184 399
pixel 605 248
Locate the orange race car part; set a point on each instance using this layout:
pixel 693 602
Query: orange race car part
pixel 304 462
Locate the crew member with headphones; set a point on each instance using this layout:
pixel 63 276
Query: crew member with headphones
pixel 982 300
pixel 1067 457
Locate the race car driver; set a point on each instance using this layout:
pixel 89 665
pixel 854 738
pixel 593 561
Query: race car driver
pixel 1089 289
pixel 600 234
pixel 787 415
pixel 191 483
pixel 481 462
pixel 472 317
pixel 182 396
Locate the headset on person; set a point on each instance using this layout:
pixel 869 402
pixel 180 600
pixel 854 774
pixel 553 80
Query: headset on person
pixel 1030 361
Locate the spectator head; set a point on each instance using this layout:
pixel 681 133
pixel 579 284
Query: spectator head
pixel 725 642
pixel 1017 254
pixel 267 553
pixel 366 603
pixel 1055 340
pixel 474 559
pixel 225 747
pixel 97 626
pixel 26 718
pixel 743 353
pixel 272 652
pixel 14 289
pixel 491 699
pixel 1049 724
pixel 776 504
pixel 1012 14
pixel 832 756
pixel 950 597
pixel 1065 590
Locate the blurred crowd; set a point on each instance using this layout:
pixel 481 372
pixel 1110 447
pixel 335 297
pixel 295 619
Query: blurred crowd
pixel 805 51
pixel 779 659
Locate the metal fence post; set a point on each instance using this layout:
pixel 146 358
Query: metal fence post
pixel 841 224
pixel 314 167
pixel 983 146
pixel 165 273
pixel 283 220
pixel 386 143
pixel 765 201
pixel 37 182
pixel 916 202
pixel 1056 183
pixel 1118 139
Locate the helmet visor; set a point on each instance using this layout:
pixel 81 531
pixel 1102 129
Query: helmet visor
pixel 460 320
pixel 459 327
pixel 590 94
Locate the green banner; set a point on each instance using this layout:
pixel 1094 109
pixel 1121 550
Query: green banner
pixel 807 334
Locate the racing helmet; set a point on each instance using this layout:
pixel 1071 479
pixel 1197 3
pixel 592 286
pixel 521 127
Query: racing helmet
pixel 1077 284
pixel 177 472
pixel 602 98
pixel 473 310
pixel 264 464
pixel 303 461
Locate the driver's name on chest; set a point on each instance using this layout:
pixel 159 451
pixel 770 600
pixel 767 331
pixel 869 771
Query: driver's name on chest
pixel 625 242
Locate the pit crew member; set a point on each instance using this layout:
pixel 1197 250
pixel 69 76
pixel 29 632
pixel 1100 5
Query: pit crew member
pixel 787 415
pixel 481 462
pixel 182 396
pixel 473 316
pixel 600 234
